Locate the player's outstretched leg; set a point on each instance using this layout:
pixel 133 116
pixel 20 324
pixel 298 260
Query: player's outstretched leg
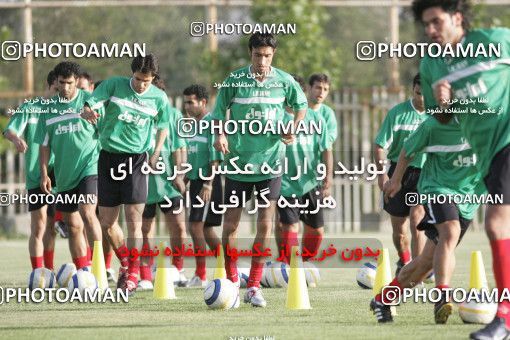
pixel 444 265
pixel 401 241
pixel 264 227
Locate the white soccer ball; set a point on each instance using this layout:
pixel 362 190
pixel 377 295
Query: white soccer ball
pixel 243 271
pixel 64 274
pixel 220 294
pixel 265 270
pixel 83 281
pixel 366 275
pixel 277 275
pixel 312 274
pixel 477 312
pixel 41 278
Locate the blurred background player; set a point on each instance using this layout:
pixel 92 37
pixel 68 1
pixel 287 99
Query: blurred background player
pixel 75 146
pixel 264 103
pixel 398 124
pixel 312 149
pixel 449 169
pixel 161 190
pixel 85 82
pixel 202 157
pixel 317 94
pixel 21 131
pixel 132 107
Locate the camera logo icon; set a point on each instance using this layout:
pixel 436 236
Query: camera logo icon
pixel 187 127
pixel 391 295
pixel 11 50
pixel 365 50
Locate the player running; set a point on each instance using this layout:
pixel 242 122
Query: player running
pixel 203 158
pixel 21 131
pixel 133 106
pixel 75 146
pixel 449 169
pixel 484 82
pixel 263 97
pixel 398 124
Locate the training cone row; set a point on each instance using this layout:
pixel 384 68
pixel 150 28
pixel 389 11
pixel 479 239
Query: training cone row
pixel 477 278
pixel 297 290
pixel 219 271
pixel 163 283
pixel 98 266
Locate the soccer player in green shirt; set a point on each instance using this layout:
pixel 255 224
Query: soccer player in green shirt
pixel 203 158
pixel 449 170
pixel 161 191
pixel 317 94
pixel 483 82
pixel 21 131
pixel 398 124
pixel 306 152
pixel 263 94
pixel 75 146
pixel 132 107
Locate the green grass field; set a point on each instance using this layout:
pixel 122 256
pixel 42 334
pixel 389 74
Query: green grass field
pixel 340 309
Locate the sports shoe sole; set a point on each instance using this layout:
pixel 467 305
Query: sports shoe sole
pixel 442 314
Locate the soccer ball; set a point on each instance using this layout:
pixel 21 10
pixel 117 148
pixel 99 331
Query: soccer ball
pixel 277 275
pixel 83 281
pixel 263 280
pixel 220 294
pixel 41 278
pixel 312 274
pixel 477 312
pixel 243 270
pixel 65 273
pixel 366 275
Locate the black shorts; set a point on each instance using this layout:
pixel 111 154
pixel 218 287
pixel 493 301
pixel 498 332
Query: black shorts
pixel 293 215
pixel 130 190
pixel 205 214
pixel 498 179
pixel 150 209
pixel 271 187
pixel 87 188
pixel 396 205
pixel 439 213
pixel 41 203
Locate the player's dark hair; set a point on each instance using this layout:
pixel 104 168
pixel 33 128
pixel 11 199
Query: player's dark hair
pixel 159 82
pixel 451 6
pixel 416 80
pixel 67 69
pixel 86 75
pixel 300 80
pixel 319 77
pixel 198 90
pixel 262 40
pixel 145 65
pixel 51 78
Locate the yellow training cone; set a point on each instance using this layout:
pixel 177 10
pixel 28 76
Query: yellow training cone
pixel 219 271
pixel 163 283
pixel 297 291
pixel 477 278
pixel 98 266
pixel 383 272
